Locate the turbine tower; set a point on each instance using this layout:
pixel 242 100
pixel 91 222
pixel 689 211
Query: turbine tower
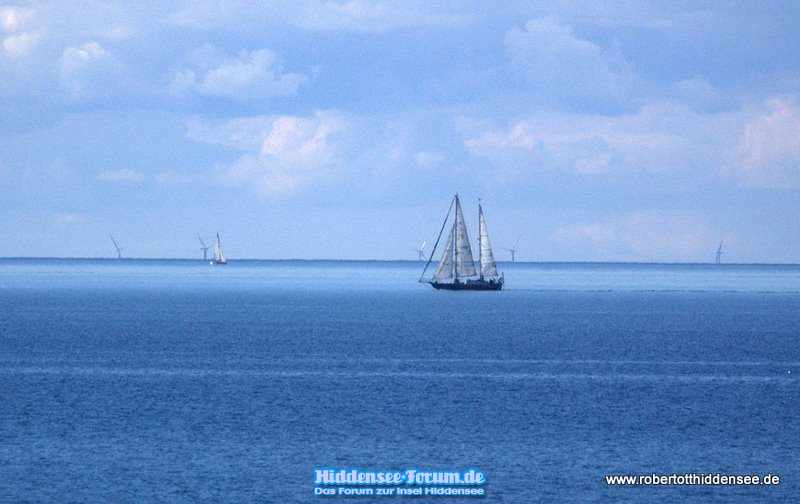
pixel 204 248
pixel 119 249
pixel 420 255
pixel 719 254
pixel 513 248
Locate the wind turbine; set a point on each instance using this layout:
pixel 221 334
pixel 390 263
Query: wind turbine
pixel 119 249
pixel 420 249
pixel 513 248
pixel 204 248
pixel 719 254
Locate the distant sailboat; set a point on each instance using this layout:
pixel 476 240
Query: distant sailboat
pixel 718 259
pixel 219 257
pixel 456 269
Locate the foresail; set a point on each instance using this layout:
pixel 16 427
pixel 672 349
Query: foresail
pixel 444 270
pixel 465 264
pixel 488 266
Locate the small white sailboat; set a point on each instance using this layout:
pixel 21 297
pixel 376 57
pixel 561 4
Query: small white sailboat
pixel 456 269
pixel 219 257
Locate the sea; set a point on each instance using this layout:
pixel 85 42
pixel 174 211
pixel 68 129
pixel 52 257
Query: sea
pixel 131 381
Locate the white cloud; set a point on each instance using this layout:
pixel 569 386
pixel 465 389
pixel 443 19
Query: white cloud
pixel 19 40
pixel 126 175
pixel 567 70
pixel 283 153
pixel 89 70
pixel 700 94
pixel 75 58
pixel 768 154
pixel 327 151
pixel 21 44
pixel 78 51
pixel 243 133
pixel 659 138
pixel 13 18
pixel 252 74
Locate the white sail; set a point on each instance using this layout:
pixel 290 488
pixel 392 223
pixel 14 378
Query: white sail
pixel 444 270
pixel 465 264
pixel 219 257
pixel 488 266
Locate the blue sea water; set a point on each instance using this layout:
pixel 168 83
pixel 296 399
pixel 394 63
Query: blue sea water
pixel 174 381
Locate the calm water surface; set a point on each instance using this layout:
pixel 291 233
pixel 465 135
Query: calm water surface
pixel 174 381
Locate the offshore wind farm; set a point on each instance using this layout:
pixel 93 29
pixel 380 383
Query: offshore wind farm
pixel 420 251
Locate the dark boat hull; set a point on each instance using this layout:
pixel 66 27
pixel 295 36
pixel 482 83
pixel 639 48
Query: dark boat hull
pixel 470 285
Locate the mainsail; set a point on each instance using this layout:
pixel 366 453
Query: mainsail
pixel 465 264
pixel 219 257
pixel 488 266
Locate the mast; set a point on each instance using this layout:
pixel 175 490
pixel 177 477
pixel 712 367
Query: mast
pixel 455 242
pixel 480 238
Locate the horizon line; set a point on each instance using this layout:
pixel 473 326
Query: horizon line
pixel 114 259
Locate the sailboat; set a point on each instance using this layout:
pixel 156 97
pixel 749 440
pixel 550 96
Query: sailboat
pixel 219 257
pixel 456 269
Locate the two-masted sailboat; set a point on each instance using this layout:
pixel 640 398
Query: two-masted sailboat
pixel 219 257
pixel 456 268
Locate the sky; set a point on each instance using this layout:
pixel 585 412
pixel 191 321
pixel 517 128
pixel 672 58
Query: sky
pixel 592 131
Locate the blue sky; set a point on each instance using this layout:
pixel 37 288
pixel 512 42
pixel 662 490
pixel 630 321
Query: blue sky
pixel 596 131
